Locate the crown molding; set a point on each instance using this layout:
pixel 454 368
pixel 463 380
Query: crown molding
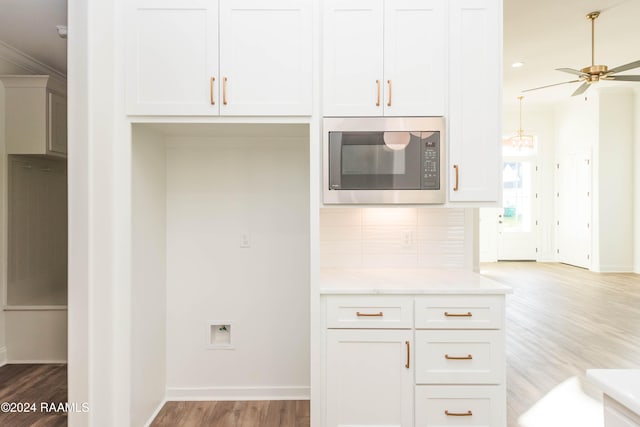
pixel 27 63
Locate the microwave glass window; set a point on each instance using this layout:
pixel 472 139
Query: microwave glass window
pixel 372 160
pixel 384 160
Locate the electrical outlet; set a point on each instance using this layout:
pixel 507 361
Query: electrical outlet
pixel 245 241
pixel 407 237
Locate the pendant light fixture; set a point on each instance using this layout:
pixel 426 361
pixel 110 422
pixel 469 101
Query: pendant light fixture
pixel 521 140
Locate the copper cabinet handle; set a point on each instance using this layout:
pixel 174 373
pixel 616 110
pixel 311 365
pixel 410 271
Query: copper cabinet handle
pixel 379 314
pixel 378 98
pixel 408 354
pixel 211 97
pixel 390 93
pixel 224 91
pixel 467 357
pixel 467 314
pixel 455 188
pixel 458 414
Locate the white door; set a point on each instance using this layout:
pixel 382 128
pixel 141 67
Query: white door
pixel 172 57
pixel 265 57
pixel 475 100
pixel 368 381
pixel 353 82
pixel 414 80
pixel 574 209
pixel 517 233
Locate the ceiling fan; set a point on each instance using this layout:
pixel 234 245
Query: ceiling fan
pixel 595 73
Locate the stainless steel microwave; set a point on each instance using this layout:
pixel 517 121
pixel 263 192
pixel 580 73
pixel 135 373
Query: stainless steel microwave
pixel 384 160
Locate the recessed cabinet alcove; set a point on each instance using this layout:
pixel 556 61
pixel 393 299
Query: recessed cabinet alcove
pixel 220 230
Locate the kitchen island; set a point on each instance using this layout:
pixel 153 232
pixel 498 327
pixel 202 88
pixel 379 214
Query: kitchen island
pixel 621 388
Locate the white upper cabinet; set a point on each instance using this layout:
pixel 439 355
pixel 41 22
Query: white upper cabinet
pixel 353 60
pixel 475 100
pixel 204 57
pixel 384 58
pixel 36 115
pixel 415 67
pixel 172 57
pixel 265 57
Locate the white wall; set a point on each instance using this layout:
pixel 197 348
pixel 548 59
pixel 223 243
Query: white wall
pixel 613 247
pixel 218 190
pixel 636 181
pixel 393 237
pixel 148 281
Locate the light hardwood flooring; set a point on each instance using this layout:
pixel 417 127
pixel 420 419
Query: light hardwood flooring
pixel 562 320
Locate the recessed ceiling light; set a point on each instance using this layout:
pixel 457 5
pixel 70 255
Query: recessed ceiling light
pixel 517 64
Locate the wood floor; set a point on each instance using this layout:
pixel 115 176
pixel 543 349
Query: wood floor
pixel 561 320
pixel 275 413
pixel 33 384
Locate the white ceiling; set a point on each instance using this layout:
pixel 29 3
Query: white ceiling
pixel 544 34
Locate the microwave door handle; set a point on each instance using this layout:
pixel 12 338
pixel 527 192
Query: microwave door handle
pixel 335 148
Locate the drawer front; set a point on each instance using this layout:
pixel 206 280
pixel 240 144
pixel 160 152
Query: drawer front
pixel 459 357
pixel 369 312
pixel 477 406
pixel 460 312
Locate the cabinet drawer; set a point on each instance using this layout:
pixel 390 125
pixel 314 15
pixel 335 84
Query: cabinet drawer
pixel 459 357
pixel 369 312
pixel 460 312
pixel 477 406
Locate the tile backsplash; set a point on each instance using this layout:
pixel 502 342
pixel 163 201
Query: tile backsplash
pixel 392 237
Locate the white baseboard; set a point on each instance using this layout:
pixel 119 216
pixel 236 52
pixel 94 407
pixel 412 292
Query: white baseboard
pixel 238 393
pixel 155 413
pixel 613 269
pixel 3 356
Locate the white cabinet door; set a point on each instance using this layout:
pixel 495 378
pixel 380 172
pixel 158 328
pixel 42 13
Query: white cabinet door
pixel 265 57
pixel 368 381
pixel 57 123
pixel 172 55
pixel 415 65
pixel 353 58
pixel 475 97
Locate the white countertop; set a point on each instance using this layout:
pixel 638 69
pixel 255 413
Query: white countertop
pixel 407 281
pixel 622 385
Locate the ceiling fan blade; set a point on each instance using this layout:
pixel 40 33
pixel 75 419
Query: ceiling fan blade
pixel 572 71
pixel 629 66
pixel 583 87
pixel 555 84
pixel 625 78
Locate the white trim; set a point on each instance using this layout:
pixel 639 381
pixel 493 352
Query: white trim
pixel 35 308
pixel 27 63
pixel 612 269
pixel 37 361
pixel 155 413
pixel 238 393
pixel 3 356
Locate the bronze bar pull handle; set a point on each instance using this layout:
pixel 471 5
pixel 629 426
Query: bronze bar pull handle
pixel 379 314
pixel 467 314
pixel 224 91
pixel 378 98
pixel 458 414
pixel 408 354
pixel 211 83
pixel 390 93
pixel 455 188
pixel 467 357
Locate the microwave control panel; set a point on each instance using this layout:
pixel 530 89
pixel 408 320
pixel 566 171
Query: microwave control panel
pixel 431 164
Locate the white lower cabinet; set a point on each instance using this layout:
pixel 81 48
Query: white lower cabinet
pixel 414 360
pixel 477 406
pixel 370 378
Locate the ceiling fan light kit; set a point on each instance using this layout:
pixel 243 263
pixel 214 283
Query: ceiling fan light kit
pixel 594 73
